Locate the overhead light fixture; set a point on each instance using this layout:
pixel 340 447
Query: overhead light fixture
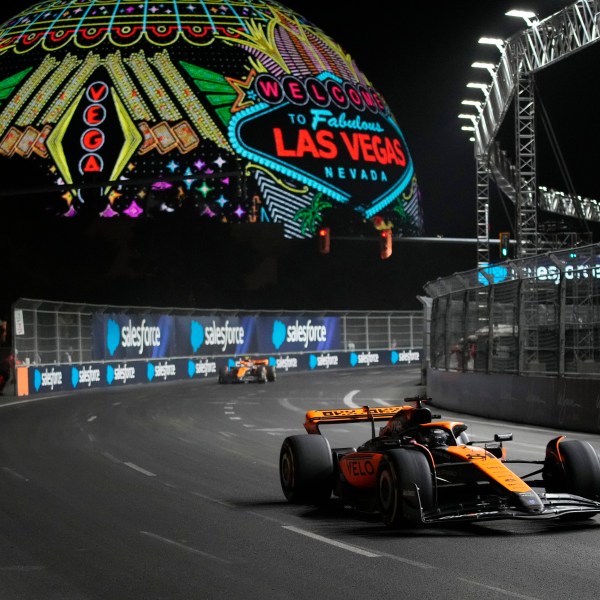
pixel 474 103
pixel 491 68
pixel 467 128
pixel 529 17
pixel 484 87
pixel 493 41
pixel 472 118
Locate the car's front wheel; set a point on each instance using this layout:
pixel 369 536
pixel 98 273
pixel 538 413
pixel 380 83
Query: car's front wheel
pixel 404 487
pixel 306 469
pixel 572 467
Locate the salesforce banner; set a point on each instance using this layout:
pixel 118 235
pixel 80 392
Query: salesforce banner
pixel 127 337
pixel 121 336
pixel 289 334
pixel 62 378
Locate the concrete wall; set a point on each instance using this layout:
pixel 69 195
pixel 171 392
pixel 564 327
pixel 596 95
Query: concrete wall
pixel 559 403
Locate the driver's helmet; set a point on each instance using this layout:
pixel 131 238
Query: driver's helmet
pixel 433 437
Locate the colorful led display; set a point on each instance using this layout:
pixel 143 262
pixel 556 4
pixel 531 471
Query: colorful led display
pixel 235 111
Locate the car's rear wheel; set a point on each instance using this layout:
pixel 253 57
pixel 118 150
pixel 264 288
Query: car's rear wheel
pixel 271 373
pixel 401 474
pixel 223 375
pixel 262 374
pixel 306 469
pixel 579 471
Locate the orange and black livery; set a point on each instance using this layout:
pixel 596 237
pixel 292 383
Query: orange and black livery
pixel 418 469
pixel 246 369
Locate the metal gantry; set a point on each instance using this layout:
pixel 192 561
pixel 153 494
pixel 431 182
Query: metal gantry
pixel 540 45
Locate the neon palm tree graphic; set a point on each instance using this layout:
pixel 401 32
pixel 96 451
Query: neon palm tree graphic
pixel 311 216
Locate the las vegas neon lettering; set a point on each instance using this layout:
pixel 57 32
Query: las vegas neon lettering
pixel 93 138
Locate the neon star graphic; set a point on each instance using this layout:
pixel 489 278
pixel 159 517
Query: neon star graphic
pixel 189 181
pixel 222 201
pixel 204 189
pixel 219 162
pixel 133 210
pixel 239 211
pixel 109 212
pixel 173 166
pixel 242 87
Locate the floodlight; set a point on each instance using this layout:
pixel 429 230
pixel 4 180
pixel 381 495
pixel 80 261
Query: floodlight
pixel 475 103
pixel 529 17
pixel 484 87
pixel 482 65
pixel 493 41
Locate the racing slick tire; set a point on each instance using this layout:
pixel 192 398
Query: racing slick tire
pixel 271 373
pixel 262 374
pixel 306 469
pixel 579 471
pixel 399 472
pixel 223 378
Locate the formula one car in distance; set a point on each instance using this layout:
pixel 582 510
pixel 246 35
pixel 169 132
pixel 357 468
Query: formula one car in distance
pixel 248 369
pixel 418 471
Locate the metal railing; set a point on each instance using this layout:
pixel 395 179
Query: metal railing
pixel 535 316
pixel 50 333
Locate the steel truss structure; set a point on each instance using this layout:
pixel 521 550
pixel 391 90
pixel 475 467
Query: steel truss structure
pixel 541 45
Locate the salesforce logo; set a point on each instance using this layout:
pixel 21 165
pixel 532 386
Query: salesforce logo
pixel 298 333
pixel 196 335
pixel 113 335
pixel 364 358
pixel 326 361
pixel 84 376
pixel 201 368
pixel 138 337
pixel 119 373
pixel 279 334
pixel 216 335
pixel 161 370
pixel 74 376
pixel 47 379
pixel 405 357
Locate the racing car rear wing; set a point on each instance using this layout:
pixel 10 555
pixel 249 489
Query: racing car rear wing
pixel 314 418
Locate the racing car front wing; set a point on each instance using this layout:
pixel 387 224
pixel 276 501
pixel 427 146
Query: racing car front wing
pixel 554 506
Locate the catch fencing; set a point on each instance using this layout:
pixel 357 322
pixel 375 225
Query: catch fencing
pixel 533 316
pixel 61 346
pixel 50 333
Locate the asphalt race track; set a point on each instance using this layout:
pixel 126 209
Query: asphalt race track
pixel 172 492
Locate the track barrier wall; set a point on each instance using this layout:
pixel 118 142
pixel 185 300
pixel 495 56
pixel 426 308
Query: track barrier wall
pixel 520 340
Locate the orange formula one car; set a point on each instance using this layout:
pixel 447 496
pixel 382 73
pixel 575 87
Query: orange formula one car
pixel 420 471
pixel 248 369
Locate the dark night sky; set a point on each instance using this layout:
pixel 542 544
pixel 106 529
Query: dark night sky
pixel 419 58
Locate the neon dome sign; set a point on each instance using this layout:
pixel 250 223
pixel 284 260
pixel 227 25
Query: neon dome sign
pixel 236 112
